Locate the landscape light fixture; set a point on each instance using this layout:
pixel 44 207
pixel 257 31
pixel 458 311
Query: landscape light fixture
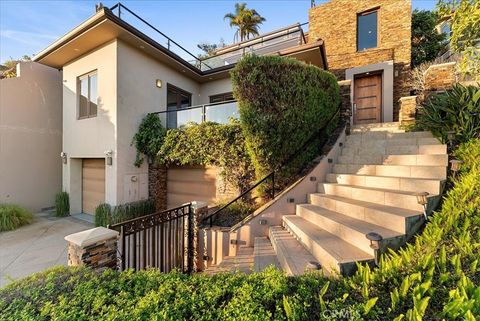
pixel 451 139
pixel 455 165
pixel 422 200
pixel 375 240
pixel 63 155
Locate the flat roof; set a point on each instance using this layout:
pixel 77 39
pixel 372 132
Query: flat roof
pixel 104 26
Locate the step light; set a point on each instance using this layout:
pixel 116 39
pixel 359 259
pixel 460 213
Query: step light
pixel 422 200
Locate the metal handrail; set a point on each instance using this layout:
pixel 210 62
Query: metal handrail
pixel 278 168
pixel 195 107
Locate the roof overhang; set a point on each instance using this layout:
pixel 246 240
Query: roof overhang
pixel 105 26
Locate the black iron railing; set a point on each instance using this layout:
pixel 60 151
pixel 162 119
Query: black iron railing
pixel 163 240
pixel 271 191
pixel 220 112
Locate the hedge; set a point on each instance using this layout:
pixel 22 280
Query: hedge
pixel 106 214
pixel 282 103
pixel 435 277
pixel 13 216
pixel 208 143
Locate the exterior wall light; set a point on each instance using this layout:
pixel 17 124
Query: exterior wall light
pixel 158 83
pixel 455 165
pixel 375 240
pixel 422 200
pixel 63 155
pixel 109 154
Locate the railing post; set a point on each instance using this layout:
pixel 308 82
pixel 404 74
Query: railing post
pixel 119 10
pixel 168 44
pixel 204 113
pixel 190 250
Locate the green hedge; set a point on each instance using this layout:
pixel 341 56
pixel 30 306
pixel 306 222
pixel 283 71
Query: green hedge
pixel 106 214
pixel 282 103
pixel 13 216
pixel 436 277
pixel 149 137
pixel 210 144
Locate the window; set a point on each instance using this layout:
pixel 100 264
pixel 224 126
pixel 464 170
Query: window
pixel 176 100
pixel 367 30
pixel 87 95
pixel 221 97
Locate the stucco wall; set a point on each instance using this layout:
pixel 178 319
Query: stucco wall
pixel 31 136
pixel 91 137
pixel 214 87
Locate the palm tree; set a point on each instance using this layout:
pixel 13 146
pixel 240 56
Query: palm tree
pixel 246 21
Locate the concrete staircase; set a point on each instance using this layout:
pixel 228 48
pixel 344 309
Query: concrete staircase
pixel 372 188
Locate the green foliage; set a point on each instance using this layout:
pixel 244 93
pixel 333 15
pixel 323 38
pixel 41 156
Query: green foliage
pixel 149 138
pixel 106 214
pixel 233 214
pixel 247 21
pixel 210 144
pixel 10 66
pixel 464 17
pixel 456 110
pixel 282 103
pixel 13 216
pixel 62 204
pixel 427 43
pixel 435 277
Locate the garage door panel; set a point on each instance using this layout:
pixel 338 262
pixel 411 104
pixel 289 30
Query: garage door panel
pixel 188 183
pixel 93 184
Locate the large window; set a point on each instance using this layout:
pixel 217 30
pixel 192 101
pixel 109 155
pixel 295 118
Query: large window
pixel 367 30
pixel 177 99
pixel 87 95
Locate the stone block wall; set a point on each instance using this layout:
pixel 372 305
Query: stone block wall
pixel 440 77
pixel 157 186
pixel 345 98
pixel 408 109
pixel 335 22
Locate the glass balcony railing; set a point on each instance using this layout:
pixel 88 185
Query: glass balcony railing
pixel 220 113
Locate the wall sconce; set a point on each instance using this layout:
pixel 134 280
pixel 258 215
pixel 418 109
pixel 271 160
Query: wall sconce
pixel 375 239
pixel 109 154
pixel 63 155
pixel 422 200
pixel 158 83
pixel 455 165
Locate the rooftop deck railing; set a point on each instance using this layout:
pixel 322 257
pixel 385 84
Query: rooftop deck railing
pixel 220 112
pixel 266 44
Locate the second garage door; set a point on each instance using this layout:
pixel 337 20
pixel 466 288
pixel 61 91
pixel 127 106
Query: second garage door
pixel 93 184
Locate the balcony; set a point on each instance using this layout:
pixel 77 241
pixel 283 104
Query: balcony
pixel 220 113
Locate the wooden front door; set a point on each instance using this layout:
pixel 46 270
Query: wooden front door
pixel 93 184
pixel 368 99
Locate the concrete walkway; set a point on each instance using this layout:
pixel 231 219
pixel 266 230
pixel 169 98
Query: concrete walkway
pixel 37 246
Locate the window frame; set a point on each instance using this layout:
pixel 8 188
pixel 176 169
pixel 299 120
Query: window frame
pixel 365 13
pixel 222 96
pixel 79 84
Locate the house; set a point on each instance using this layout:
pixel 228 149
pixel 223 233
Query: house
pixel 368 43
pixel 114 74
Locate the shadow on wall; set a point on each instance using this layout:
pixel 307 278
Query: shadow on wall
pixel 31 136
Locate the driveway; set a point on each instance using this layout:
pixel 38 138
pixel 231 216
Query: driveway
pixel 37 246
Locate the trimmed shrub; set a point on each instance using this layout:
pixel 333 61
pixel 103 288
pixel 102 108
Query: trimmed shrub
pixel 455 110
pixel 149 138
pixel 233 214
pixel 436 277
pixel 13 216
pixel 62 204
pixel 106 214
pixel 210 144
pixel 282 104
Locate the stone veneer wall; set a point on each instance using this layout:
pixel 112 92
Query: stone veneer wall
pixel 440 77
pixel 157 186
pixel 345 99
pixel 335 22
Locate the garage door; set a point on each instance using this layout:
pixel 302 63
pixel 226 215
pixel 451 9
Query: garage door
pixel 190 183
pixel 93 184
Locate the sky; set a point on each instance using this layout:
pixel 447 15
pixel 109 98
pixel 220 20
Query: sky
pixel 27 27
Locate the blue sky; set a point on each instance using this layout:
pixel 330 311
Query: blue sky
pixel 26 27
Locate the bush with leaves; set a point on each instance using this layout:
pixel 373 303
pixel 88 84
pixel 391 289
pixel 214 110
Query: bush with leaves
pixel 457 109
pixel 62 204
pixel 213 144
pixel 282 103
pixel 149 138
pixel 106 214
pixel 13 216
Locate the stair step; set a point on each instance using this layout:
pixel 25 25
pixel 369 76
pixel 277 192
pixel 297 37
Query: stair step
pixel 394 218
pixel 373 127
pixel 390 159
pixel 242 262
pixel 395 150
pixel 371 142
pixel 415 171
pixel 432 186
pixel 396 198
pixel 387 135
pixel 292 256
pixel 264 254
pixel 347 228
pixel 334 254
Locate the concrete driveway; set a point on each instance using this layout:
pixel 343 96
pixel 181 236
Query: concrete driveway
pixel 37 246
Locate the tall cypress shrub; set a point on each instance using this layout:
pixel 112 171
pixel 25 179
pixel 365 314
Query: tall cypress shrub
pixel 282 104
